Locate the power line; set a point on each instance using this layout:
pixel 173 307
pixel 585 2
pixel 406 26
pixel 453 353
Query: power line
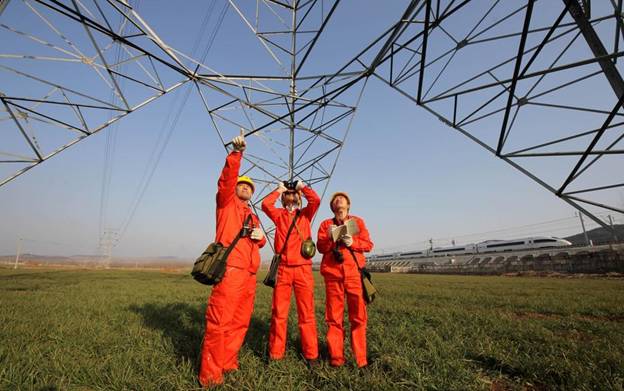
pixel 111 142
pixel 167 131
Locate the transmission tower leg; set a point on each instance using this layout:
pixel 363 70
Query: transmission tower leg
pixel 581 18
pixel 3 4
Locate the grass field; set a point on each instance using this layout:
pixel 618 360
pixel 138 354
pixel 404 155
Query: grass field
pixel 141 330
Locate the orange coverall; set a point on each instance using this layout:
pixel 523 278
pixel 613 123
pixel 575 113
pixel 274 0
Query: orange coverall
pixel 231 301
pixel 294 271
pixel 341 278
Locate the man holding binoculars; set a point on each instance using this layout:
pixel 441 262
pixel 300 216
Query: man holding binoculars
pixel 292 240
pixel 231 302
pixel 340 267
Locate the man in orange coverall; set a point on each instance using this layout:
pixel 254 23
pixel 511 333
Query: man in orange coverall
pixel 342 275
pixel 294 269
pixel 231 301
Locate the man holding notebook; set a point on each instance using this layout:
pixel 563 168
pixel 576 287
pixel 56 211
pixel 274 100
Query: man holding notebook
pixel 343 240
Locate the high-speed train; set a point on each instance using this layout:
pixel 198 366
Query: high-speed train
pixel 488 246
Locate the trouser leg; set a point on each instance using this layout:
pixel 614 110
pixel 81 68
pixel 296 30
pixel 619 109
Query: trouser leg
pixel 279 313
pixel 235 334
pixel 357 318
pixel 224 299
pixel 334 313
pixel 304 295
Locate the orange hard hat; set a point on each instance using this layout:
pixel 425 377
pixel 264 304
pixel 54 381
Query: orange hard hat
pixel 339 194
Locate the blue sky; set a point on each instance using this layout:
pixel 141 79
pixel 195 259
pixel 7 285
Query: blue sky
pixel 409 176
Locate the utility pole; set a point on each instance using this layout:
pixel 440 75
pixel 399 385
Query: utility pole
pixel 17 254
pixel 615 238
pixel 583 225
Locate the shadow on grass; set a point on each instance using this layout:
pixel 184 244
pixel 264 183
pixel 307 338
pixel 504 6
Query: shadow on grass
pixel 493 364
pixel 182 323
pixel 257 338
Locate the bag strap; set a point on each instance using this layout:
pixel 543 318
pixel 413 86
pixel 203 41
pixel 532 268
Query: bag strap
pixel 364 274
pixel 299 232
pixel 290 230
pixel 240 233
pixel 354 258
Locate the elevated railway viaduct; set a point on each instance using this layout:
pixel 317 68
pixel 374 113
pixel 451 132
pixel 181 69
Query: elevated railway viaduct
pixel 582 259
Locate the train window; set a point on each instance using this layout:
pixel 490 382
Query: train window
pixel 413 253
pixel 504 244
pixel 449 250
pixel 544 240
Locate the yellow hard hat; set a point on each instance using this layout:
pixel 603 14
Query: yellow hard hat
pixel 247 180
pixel 339 193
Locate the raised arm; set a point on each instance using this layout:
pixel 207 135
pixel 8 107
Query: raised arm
pixel 226 187
pixel 268 205
pixel 314 201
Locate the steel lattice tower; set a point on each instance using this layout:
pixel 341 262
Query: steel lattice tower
pixel 485 69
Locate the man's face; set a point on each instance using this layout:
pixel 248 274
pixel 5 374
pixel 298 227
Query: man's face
pixel 244 191
pixel 290 199
pixel 339 203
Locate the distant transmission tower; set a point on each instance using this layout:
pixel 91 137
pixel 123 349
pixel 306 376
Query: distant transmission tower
pixel 108 240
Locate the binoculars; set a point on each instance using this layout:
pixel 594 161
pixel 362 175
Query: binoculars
pixel 290 185
pixel 337 255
